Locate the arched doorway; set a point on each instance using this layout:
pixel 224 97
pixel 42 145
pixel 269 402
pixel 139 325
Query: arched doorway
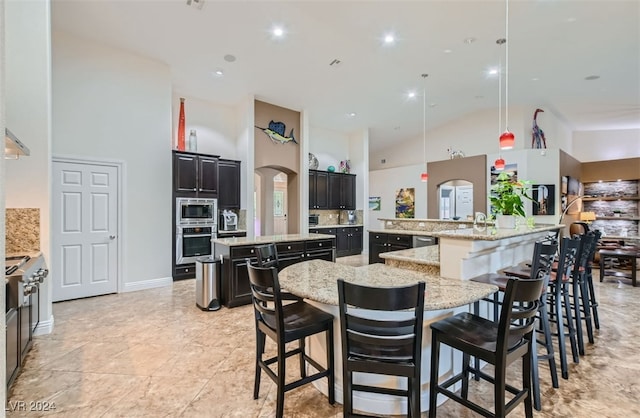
pixel 275 205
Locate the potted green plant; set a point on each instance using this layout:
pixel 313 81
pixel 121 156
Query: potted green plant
pixel 507 199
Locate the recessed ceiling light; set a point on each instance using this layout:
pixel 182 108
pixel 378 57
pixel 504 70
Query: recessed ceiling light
pixel 493 71
pixel 433 104
pixel 469 41
pixel 389 39
pixel 351 114
pixel 535 79
pixel 411 94
pixel 447 51
pixel 592 77
pixel 229 58
pixel 218 72
pixel 278 31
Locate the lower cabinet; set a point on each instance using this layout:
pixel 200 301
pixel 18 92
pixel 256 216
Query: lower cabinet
pixel 235 277
pixel 382 243
pixel 349 241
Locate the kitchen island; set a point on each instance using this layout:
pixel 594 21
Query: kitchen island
pixel 292 248
pixel 316 281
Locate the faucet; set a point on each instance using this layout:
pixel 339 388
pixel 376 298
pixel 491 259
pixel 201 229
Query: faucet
pixel 480 218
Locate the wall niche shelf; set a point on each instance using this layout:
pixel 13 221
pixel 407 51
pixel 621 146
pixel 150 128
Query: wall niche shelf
pixel 611 197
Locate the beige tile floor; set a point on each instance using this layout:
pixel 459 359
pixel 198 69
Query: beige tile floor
pixel 154 354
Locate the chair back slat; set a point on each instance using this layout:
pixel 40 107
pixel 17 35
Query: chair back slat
pixel 381 324
pixel 520 306
pixel 266 296
pixel 267 255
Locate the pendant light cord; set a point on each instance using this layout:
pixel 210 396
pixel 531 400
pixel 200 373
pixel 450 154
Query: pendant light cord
pixel 506 67
pixel 424 118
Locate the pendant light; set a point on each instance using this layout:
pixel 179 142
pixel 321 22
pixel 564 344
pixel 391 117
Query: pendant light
pixel 424 176
pixel 507 138
pixel 499 163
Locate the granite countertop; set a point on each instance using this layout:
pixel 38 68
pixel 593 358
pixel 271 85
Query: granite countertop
pixel 333 226
pixel 403 232
pixel 493 234
pixel 235 231
pixel 237 241
pixel 429 255
pixel 317 280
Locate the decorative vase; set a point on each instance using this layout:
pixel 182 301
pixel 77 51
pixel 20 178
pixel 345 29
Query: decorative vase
pixel 181 121
pixel 313 162
pixel 505 221
pixel 192 145
pixel 331 169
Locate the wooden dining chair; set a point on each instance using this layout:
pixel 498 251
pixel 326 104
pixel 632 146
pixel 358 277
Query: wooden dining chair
pixel 497 343
pixel 375 343
pixel 286 323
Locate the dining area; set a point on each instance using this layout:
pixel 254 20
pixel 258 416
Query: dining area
pixel 386 353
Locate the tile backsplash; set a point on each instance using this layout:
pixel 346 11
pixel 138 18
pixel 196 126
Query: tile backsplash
pixel 22 230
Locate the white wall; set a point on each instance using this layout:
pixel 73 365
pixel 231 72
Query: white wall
pixel 384 183
pixel 329 147
pixel 606 145
pixel 110 104
pixel 28 114
pixel 215 125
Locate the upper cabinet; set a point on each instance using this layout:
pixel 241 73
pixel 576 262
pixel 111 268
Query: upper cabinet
pixel 318 189
pixel 342 191
pixel 195 175
pixel 229 184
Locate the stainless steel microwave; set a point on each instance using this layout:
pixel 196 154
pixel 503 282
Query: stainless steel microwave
pixel 196 211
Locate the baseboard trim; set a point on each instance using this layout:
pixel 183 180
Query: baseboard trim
pixel 44 327
pixel 148 284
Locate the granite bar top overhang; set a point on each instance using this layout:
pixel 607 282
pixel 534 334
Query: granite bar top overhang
pixel 494 234
pixel 429 255
pixel 317 280
pixel 267 239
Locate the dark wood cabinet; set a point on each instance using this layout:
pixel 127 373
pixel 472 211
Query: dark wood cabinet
pixel 228 184
pixel 318 189
pixel 349 241
pixel 381 243
pixel 195 175
pixel 235 278
pixel 342 191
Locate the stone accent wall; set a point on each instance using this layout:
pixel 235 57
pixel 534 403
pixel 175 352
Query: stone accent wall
pixel 22 230
pixel 625 208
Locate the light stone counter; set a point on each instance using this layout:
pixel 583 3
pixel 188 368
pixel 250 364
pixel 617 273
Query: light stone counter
pixel 335 226
pixel 316 280
pixel 267 239
pixel 494 234
pixel 422 259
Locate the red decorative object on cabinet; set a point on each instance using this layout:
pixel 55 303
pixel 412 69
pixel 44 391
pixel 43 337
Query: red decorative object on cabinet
pixel 181 142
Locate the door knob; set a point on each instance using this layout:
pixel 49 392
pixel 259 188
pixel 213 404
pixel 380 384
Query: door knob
pixel 112 237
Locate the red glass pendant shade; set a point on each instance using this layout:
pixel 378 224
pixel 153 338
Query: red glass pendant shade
pixel 424 177
pixel 507 140
pixel 499 164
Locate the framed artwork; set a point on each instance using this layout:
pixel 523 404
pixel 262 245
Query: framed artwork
pixel 374 203
pixel 406 203
pixel 544 196
pixel 278 203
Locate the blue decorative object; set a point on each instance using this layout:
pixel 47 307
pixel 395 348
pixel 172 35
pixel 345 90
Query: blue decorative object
pixel 331 169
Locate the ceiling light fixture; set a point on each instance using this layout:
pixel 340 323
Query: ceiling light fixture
pixel 389 39
pixel 499 163
pixel 424 176
pixel 507 139
pixel 278 32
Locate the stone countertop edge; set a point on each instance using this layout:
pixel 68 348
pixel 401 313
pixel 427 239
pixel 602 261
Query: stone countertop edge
pixel 492 234
pixel 317 280
pixel 456 221
pixel 267 239
pixel 471 233
pixel 428 256
pixel 335 226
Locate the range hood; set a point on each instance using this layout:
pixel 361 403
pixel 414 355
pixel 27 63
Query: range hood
pixel 13 148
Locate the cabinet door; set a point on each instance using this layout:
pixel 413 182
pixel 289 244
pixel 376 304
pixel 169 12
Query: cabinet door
pixel 185 168
pixel 375 249
pixel 335 191
pixel 229 184
pixel 208 177
pixel 355 243
pixel 318 189
pixel 238 289
pixel 342 241
pixel 348 191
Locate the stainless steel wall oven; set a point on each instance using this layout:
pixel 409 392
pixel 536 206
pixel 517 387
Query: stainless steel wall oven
pixel 193 242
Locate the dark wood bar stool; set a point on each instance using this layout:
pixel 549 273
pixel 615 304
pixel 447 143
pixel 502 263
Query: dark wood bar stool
pixel 544 253
pixel 285 323
pixel 375 344
pixel 498 343
pixel 267 255
pixel 580 290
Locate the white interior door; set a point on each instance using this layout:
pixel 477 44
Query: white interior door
pixel 84 230
pixel 464 201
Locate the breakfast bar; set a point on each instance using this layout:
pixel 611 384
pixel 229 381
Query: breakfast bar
pixel 316 281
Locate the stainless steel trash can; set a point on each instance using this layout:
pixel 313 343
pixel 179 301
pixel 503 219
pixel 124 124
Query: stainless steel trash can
pixel 208 283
